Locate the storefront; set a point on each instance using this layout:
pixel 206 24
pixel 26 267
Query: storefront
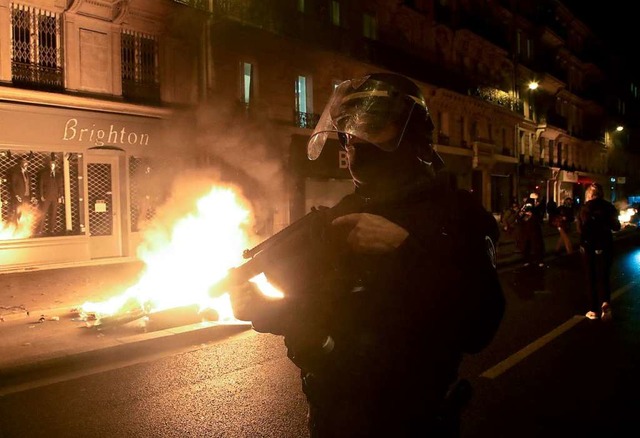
pixel 321 182
pixel 103 158
pixel 533 178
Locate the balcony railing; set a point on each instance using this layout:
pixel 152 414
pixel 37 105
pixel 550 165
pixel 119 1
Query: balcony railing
pixel 37 76
pixel 305 120
pixel 498 97
pixel 553 119
pixel 37 57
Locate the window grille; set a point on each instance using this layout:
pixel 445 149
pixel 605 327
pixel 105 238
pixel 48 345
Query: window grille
pixel 36 42
pixel 37 161
pixel 140 76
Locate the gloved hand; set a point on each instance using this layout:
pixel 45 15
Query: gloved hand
pixel 267 314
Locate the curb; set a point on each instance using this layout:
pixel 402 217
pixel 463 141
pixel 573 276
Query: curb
pixel 21 269
pixel 18 376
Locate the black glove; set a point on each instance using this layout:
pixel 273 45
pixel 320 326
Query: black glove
pixel 266 314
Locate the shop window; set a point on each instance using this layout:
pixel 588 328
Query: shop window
pixel 140 75
pixel 30 221
pixel 148 191
pixel 36 48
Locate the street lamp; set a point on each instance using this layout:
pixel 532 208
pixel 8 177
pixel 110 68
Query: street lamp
pixel 533 85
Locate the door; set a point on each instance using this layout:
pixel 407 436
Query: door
pixel 103 204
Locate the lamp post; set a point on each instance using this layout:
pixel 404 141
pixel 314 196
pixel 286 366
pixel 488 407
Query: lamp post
pixel 532 86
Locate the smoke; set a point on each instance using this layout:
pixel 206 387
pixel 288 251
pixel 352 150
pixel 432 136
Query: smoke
pixel 236 148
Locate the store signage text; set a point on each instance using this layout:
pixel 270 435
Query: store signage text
pixel 343 161
pixel 99 137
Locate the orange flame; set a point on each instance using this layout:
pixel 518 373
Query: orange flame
pixel 27 218
pixel 625 215
pixel 183 262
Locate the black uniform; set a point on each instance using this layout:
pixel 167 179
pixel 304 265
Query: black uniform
pixel 398 323
pixel 597 219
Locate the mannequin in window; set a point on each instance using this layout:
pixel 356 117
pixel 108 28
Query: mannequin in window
pixel 20 194
pixel 51 194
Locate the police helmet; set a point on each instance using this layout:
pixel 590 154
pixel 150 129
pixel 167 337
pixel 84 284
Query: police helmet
pixel 382 109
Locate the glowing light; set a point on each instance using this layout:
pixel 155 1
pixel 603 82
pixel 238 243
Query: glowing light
pixel 533 85
pixel 625 216
pixel 28 217
pixel 184 260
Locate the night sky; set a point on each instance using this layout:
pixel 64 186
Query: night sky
pixel 610 20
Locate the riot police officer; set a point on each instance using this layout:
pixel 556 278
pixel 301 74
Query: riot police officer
pixel 380 337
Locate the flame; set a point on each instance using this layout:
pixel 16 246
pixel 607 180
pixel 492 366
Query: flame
pixel 183 262
pixel 27 218
pixel 625 215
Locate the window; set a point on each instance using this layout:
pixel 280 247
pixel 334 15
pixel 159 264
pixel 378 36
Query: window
pixel 36 47
pixel 304 116
pixel 140 79
pixel 370 26
pixel 301 94
pixel 335 13
pixel 247 83
pixel 69 217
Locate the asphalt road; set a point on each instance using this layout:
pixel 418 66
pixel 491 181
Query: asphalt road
pixel 549 372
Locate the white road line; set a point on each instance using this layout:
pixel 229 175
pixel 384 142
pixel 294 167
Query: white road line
pixel 512 360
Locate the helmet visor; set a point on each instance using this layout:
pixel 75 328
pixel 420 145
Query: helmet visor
pixel 371 110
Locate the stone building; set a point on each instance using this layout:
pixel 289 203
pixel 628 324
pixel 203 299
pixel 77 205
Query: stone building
pixel 523 95
pixel 94 86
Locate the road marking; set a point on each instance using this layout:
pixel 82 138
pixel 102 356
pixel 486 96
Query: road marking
pixel 515 358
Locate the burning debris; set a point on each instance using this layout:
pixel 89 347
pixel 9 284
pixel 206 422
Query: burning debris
pixel 182 261
pixel 28 216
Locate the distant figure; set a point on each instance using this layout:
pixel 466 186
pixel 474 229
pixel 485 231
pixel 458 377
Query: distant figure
pixel 552 213
pixel 509 219
pixel 51 194
pixel 531 217
pixel 20 194
pixel 596 221
pixel 562 221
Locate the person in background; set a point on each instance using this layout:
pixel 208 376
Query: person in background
pixel 597 219
pixel 531 218
pixel 552 213
pixel 51 194
pixel 20 191
pixel 563 221
pixel 509 220
pixel 379 337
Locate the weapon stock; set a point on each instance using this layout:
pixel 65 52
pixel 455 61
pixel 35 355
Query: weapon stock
pixel 280 252
pixel 298 255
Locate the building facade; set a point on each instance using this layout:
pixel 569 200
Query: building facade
pixel 523 95
pixel 93 86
